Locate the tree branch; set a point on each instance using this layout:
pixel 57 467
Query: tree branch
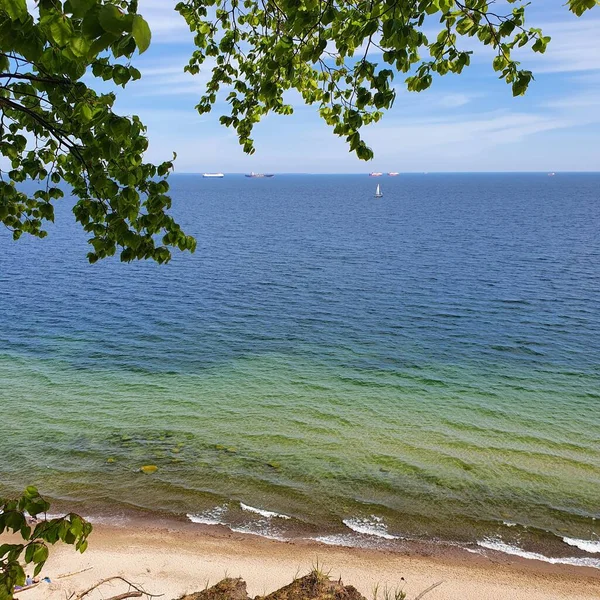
pixel 29 77
pixel 429 589
pixel 138 589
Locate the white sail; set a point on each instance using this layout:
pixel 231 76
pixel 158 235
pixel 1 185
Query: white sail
pixel 378 193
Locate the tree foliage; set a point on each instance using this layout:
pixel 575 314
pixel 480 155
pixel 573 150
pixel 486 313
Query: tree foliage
pixel 340 55
pixel 33 547
pixel 55 128
pixel 323 49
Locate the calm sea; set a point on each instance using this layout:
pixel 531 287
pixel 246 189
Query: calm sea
pixel 425 365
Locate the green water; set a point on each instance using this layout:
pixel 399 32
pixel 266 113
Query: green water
pixel 420 446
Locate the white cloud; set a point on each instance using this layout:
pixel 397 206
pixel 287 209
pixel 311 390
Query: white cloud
pixel 455 100
pixel 167 26
pixel 584 100
pixel 166 77
pixel 575 46
pixel 434 140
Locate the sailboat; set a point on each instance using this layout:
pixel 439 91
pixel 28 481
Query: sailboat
pixel 378 193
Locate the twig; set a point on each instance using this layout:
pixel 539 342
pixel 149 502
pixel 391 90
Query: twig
pixel 30 77
pixel 27 587
pixel 126 595
pixel 431 587
pixel 74 573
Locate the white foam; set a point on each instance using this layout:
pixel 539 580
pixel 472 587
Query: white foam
pixel 590 546
pixel 347 541
pixel 500 546
pixel 260 511
pixel 509 523
pixel 472 550
pixel 113 521
pixel 262 531
pixel 370 526
pixel 214 516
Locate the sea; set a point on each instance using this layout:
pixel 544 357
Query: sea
pixel 327 365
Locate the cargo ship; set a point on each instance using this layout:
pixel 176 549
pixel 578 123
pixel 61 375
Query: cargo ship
pixel 218 175
pixel 393 174
pixel 375 174
pixel 255 175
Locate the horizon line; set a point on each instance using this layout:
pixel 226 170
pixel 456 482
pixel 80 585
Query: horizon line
pixel 546 172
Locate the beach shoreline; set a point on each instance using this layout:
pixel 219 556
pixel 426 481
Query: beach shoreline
pixel 172 559
pixel 509 539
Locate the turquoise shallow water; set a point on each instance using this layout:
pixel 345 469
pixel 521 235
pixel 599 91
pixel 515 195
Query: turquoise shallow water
pixel 422 366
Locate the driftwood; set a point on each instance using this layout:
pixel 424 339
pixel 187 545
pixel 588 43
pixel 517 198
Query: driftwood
pixel 126 595
pixel 135 593
pixel 74 573
pixel 431 587
pixel 25 588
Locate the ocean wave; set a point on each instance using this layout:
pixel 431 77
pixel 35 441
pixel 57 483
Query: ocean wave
pixel 347 541
pixel 114 521
pixel 46 516
pixel 214 516
pixel 217 516
pixel 372 525
pixel 500 546
pixel 265 513
pixel 478 551
pixel 591 546
pixel 259 529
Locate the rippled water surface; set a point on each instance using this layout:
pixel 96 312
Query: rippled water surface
pixel 424 365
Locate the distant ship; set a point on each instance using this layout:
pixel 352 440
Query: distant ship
pixel 375 174
pixel 254 175
pixel 551 174
pixel 219 175
pixel 393 174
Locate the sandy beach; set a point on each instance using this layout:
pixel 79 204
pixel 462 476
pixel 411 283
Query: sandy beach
pixel 172 561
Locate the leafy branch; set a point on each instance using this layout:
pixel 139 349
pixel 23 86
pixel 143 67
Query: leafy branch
pixel 54 129
pixel 33 547
pixel 322 50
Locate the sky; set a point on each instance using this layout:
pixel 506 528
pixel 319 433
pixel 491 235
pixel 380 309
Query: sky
pixel 468 122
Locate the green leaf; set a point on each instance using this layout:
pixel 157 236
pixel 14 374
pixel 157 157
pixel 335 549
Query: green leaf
pixel 521 83
pixel 499 63
pixel 29 553
pixel 61 30
pixel 76 526
pixel 141 33
pixel 91 26
pixel 100 44
pixel 16 9
pixel 112 19
pixel 79 46
pixel 81 7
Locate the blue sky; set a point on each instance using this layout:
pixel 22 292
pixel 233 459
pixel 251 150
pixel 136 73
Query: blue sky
pixel 469 122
